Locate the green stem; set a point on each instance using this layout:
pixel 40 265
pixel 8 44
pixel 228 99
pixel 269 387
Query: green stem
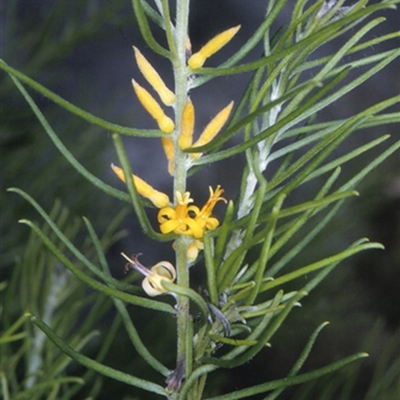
pixel 181 90
pixel 180 175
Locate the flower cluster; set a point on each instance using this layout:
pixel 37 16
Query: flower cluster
pixel 187 219
pixel 184 218
pixel 184 138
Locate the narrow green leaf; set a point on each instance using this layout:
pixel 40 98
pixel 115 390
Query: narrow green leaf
pixel 223 233
pixel 137 341
pixel 260 328
pixel 300 361
pixel 264 253
pixel 210 268
pixel 74 109
pixel 228 133
pixel 296 380
pixel 228 361
pixel 96 366
pixel 103 261
pixel 191 380
pixel 65 152
pixel 153 15
pixel 320 264
pixel 64 239
pixel 247 47
pixel 321 36
pixel 143 302
pixel 191 294
pixel 346 158
pixel 30 393
pixel 168 27
pixel 232 341
pixel 145 29
pixel 133 193
pixel 373 164
pixel 289 120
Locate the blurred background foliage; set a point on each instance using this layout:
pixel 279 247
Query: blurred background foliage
pixel 82 51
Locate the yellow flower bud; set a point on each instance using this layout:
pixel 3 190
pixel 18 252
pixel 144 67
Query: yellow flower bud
pixel 151 75
pixel 213 128
pixel 159 199
pixel 169 150
pixel 186 136
pixel 193 249
pixel 150 104
pixel 197 59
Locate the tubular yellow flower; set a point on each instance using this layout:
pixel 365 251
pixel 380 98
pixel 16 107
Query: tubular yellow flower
pixel 179 219
pixel 159 199
pixel 150 104
pixel 187 219
pixel 169 150
pixel 197 59
pixel 151 75
pixel 152 283
pixel 186 136
pixel 213 128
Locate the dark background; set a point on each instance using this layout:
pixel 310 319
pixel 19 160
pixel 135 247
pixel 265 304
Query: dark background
pixel 93 70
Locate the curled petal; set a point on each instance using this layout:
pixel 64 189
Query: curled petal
pixel 195 229
pixel 169 226
pixel 152 287
pixel 165 269
pixel 152 283
pixel 165 214
pixel 197 59
pixel 211 223
pixel 193 211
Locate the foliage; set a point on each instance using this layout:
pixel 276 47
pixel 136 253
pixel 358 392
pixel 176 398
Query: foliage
pixel 252 257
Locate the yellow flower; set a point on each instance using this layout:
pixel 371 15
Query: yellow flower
pixel 178 219
pixel 151 75
pixel 198 59
pixel 187 219
pixel 153 108
pixel 213 128
pixel 152 283
pixel 159 199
